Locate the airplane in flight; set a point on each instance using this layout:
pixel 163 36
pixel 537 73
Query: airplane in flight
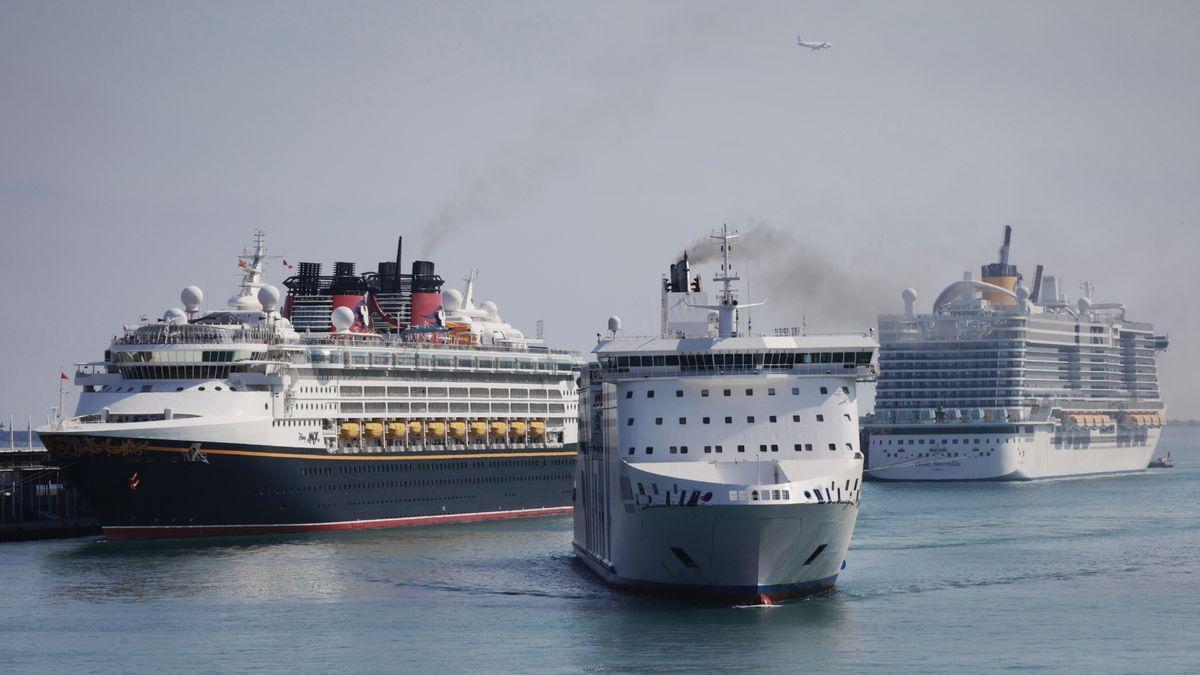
pixel 815 46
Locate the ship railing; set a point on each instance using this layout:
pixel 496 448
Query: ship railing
pixel 195 334
pixel 833 369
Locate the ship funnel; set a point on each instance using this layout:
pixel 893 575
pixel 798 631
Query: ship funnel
pixel 426 293
pixel 1001 274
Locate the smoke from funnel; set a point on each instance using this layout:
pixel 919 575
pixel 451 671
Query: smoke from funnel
pixel 828 285
pixel 621 100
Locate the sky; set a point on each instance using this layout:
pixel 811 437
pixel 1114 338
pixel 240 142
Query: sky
pixel 568 151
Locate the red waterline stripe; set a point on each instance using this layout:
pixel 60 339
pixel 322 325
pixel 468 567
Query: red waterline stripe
pixel 130 533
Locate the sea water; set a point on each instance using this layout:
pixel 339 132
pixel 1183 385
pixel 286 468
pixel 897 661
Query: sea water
pixel 1095 574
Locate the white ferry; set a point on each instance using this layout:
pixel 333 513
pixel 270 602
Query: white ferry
pixel 716 463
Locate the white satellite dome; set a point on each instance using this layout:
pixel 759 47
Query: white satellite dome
pixel 490 307
pixel 909 295
pixel 174 316
pixel 268 297
pixel 192 297
pixel 342 318
pixel 1022 294
pixel 452 299
pixel 614 323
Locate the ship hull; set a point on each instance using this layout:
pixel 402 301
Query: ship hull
pixel 154 489
pixel 1016 457
pixel 740 554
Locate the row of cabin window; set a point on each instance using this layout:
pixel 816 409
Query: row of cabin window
pixel 729 392
pixel 729 419
pixel 736 360
pixel 798 447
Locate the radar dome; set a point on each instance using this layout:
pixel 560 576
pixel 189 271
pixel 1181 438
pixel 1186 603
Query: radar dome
pixel 174 316
pixel 192 297
pixel 1085 305
pixel 614 323
pixel 909 295
pixel 490 307
pixel 268 297
pixel 342 318
pixel 452 299
pixel 1022 294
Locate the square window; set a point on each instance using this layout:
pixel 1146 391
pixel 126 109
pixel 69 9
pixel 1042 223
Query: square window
pixel 629 422
pixel 795 418
pixel 650 393
pixel 631 451
pixel 727 392
pixel 707 449
pixel 658 421
pixel 762 448
pixel 649 451
pixel 824 390
pixel 728 420
pixel 683 449
pixel 629 394
pixel 678 393
pixel 795 391
pixel 675 449
pixel 720 448
pixel 683 420
pixel 774 448
pixel 833 446
pixel 705 420
pixel 704 393
pixel 749 392
pixel 820 418
pixel 797 447
pixel 770 391
pixel 741 448
pixel 772 418
pixel 808 447
pixel 750 419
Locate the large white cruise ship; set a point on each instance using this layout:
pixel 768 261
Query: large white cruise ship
pixel 1000 382
pixel 367 400
pixel 717 463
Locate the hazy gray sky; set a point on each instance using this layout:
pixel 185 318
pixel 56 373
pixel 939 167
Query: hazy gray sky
pixel 570 150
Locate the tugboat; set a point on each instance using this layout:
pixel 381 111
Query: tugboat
pixel 1162 462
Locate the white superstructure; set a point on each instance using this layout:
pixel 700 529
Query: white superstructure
pixel 1002 383
pixel 716 463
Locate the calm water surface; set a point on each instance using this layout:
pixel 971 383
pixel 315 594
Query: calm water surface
pixel 1095 574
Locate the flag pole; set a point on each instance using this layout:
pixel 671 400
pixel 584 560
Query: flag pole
pixel 59 415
